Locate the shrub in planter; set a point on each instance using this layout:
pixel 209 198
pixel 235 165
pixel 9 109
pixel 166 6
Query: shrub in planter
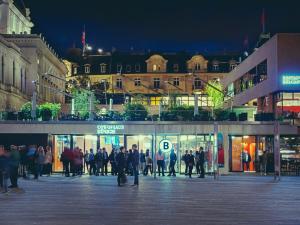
pixel 183 113
pixel 232 116
pixel 46 112
pixel 168 116
pixel 12 116
pixel 25 113
pixel 135 112
pixel 243 117
pixel 221 115
pixel 202 116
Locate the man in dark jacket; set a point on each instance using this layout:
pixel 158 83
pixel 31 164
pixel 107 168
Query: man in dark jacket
pixel 191 163
pixel 185 159
pixel 14 157
pixel 4 169
pixel 135 164
pixel 173 159
pixel 105 161
pixel 121 163
pixel 112 160
pixel 201 162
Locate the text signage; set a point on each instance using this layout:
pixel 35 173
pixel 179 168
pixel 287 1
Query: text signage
pixel 165 145
pixel 290 79
pixel 109 129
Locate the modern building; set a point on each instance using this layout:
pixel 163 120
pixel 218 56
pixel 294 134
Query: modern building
pixel 234 139
pixel 25 58
pixel 269 78
pixel 154 77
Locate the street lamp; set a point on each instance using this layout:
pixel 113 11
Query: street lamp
pixel 100 50
pixel 89 48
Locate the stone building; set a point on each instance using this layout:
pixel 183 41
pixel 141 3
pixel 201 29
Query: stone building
pixel 25 58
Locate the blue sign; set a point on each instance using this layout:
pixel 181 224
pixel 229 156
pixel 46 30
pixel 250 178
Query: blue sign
pixel 165 145
pixel 291 79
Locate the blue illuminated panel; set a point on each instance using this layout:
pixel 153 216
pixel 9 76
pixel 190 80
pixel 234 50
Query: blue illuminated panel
pixel 291 79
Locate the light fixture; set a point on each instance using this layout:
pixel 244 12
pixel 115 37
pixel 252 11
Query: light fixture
pixel 100 50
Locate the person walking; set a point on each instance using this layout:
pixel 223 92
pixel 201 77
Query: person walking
pixel 173 159
pixel 160 159
pixel 185 159
pixel 105 161
pixel 14 161
pixel 112 160
pixel 48 160
pixel 201 162
pixel 191 161
pixel 135 164
pixel 121 163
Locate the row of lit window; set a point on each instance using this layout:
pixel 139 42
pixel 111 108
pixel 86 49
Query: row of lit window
pixel 156 82
pixel 155 68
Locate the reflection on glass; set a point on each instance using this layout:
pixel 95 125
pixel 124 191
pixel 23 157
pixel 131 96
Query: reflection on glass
pixel 60 142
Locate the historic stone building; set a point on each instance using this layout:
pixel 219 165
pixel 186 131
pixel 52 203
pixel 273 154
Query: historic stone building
pixel 25 59
pixel 154 77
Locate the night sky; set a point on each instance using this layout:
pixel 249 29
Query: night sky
pixel 206 26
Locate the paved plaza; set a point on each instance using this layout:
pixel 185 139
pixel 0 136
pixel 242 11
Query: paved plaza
pixel 97 200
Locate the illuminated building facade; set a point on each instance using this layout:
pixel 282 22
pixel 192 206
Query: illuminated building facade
pixel 269 79
pixel 153 77
pixel 25 58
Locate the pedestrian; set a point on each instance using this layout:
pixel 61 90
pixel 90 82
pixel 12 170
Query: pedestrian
pixel 185 158
pixel 197 156
pixel 65 162
pixel 86 161
pixel 23 161
pixel 129 163
pixel 135 164
pixel 105 161
pixel 99 162
pixel 121 163
pixel 92 162
pixel 40 162
pixel 191 162
pixel 81 162
pixel 4 169
pixel 142 161
pixel 31 154
pixel 112 160
pixel 48 160
pixel 201 162
pixel 149 163
pixel 173 159
pixel 160 159
pixel 14 161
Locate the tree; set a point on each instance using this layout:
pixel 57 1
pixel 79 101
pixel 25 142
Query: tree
pixel 135 112
pixel 214 91
pixel 81 102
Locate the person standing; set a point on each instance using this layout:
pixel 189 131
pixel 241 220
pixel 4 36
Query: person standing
pixel 105 161
pixel 112 160
pixel 121 163
pixel 99 162
pixel 65 162
pixel 185 159
pixel 92 162
pixel 135 164
pixel 142 161
pixel 201 162
pixel 160 159
pixel 40 162
pixel 173 159
pixel 191 162
pixel 23 161
pixel 81 162
pixel 86 161
pixel 129 163
pixel 197 162
pixel 4 169
pixel 148 163
pixel 14 161
pixel 48 160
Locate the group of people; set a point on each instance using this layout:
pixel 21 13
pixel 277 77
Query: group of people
pixel 197 160
pixel 20 160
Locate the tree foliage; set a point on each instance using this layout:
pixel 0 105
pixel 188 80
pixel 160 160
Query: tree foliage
pixel 214 92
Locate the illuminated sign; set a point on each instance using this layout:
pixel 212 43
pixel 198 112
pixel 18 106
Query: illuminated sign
pixel 109 129
pixel 290 79
pixel 165 145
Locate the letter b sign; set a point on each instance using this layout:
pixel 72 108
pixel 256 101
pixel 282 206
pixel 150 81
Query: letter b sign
pixel 165 145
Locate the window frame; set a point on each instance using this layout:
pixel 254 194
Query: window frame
pixel 137 82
